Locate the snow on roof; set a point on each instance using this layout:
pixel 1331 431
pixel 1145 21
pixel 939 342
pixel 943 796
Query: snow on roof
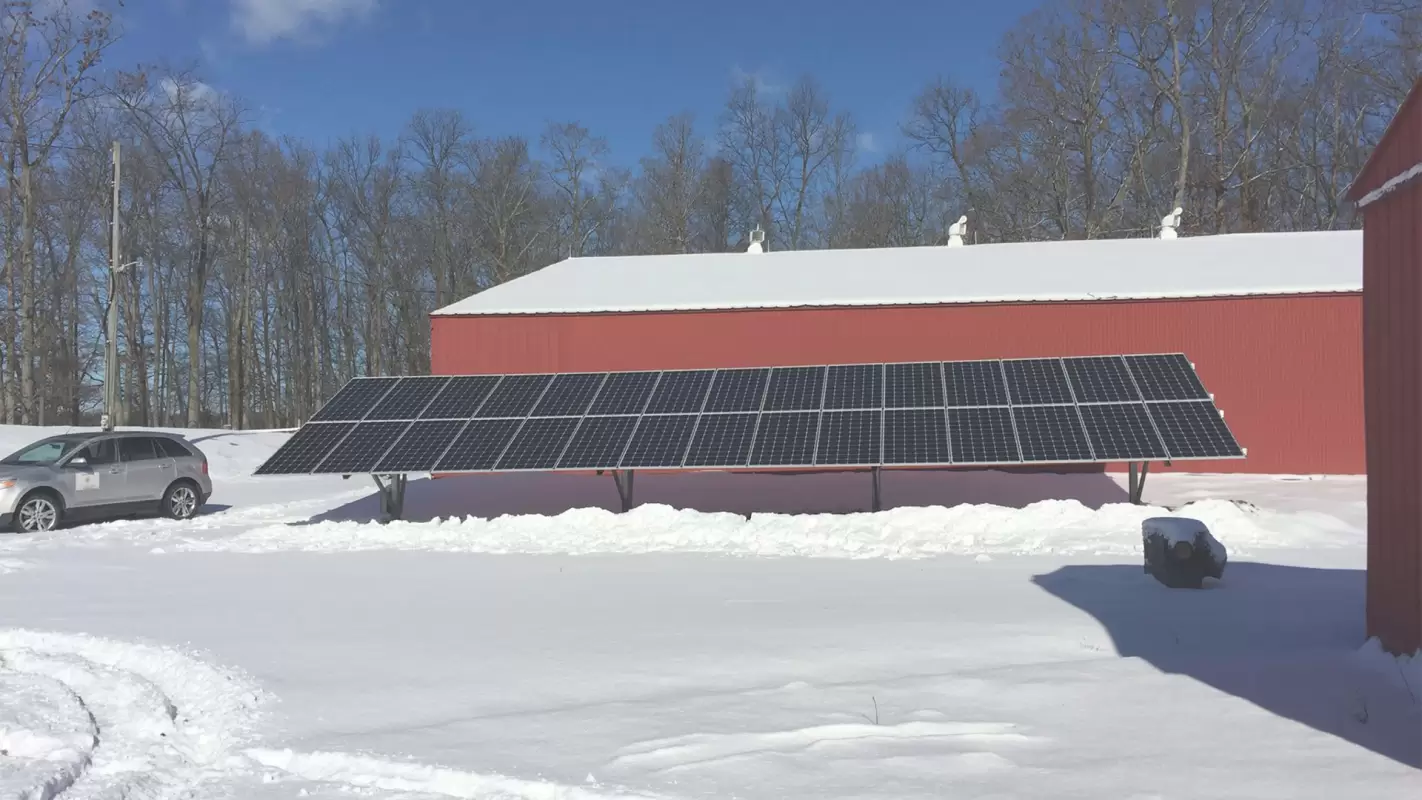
pixel 1101 269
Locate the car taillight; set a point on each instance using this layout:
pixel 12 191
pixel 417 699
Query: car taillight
pixel 204 466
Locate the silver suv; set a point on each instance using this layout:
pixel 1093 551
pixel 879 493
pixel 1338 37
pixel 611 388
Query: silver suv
pixel 90 476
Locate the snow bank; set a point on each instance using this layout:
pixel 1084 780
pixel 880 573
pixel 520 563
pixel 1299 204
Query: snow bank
pixel 1405 671
pixel 1047 527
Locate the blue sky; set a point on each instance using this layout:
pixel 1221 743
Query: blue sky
pixel 320 69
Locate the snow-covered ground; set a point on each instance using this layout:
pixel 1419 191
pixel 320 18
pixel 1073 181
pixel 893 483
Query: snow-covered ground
pixel 990 636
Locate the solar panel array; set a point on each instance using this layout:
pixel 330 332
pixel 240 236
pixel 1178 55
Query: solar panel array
pixel 974 413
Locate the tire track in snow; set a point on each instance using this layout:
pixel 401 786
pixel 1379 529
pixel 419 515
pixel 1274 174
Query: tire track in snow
pixel 90 719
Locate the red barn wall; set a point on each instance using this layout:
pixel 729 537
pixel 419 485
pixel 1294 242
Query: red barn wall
pixel 1287 371
pixel 1392 321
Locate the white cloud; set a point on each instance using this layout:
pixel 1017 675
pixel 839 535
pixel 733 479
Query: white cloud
pixel 865 143
pixel 265 21
pixel 764 82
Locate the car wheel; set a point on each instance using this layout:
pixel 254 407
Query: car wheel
pixel 38 513
pixel 181 501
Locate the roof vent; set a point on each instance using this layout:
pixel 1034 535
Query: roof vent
pixel 1170 223
pixel 956 232
pixel 757 237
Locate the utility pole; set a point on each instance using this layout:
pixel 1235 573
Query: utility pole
pixel 111 383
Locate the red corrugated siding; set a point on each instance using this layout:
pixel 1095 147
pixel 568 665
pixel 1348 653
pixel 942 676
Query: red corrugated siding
pixel 1392 322
pixel 1399 150
pixel 1286 370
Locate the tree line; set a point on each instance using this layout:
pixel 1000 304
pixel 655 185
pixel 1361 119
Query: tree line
pixel 268 270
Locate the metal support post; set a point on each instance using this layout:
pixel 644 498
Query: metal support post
pixel 392 496
pixel 111 367
pixel 1137 481
pixel 624 487
pixel 877 505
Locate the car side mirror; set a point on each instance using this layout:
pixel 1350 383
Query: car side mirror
pixel 78 461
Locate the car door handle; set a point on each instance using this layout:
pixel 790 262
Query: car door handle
pixel 165 466
pixel 115 470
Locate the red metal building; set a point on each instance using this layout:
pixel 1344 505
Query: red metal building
pixel 1272 321
pixel 1389 192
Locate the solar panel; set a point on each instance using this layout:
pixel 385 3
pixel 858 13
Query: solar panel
pixel 1051 434
pixel 850 438
pixel 599 443
pixel 354 400
pixel 360 451
pixel 305 449
pixel 915 436
pixel 982 435
pixel 569 395
pixel 1193 429
pixel 1089 409
pixel 660 441
pixel 408 398
pixel 538 444
pixel 913 385
pixel 1166 377
pixel 722 440
pixel 737 390
pixel 795 389
pixel 421 446
pixel 1036 381
pixel 624 393
pixel 1121 431
pixel 461 397
pixel 1101 380
pixel 854 386
pixel 785 439
pixel 680 392
pixel 974 383
pixel 515 396
pixel 479 445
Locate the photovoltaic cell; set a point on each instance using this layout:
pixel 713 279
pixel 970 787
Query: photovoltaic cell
pixel 1102 379
pixel 660 441
pixel 982 435
pixel 354 400
pixel 915 436
pixel 1166 377
pixel 514 396
pixel 539 443
pixel 1121 431
pixel 305 449
pixel 974 383
pixel 599 443
pixel 624 393
pixel 737 390
pixel 421 446
pixel 854 386
pixel 1036 381
pixel 461 397
pixel 795 389
pixel 680 392
pixel 478 446
pixel 570 395
pixel 785 439
pixel 722 440
pixel 913 385
pixel 360 451
pixel 849 438
pixel 1051 434
pixel 1193 429
pixel 408 398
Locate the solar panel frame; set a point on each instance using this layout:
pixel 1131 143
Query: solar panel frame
pixel 1166 377
pixel 448 429
pixel 543 441
pixel 354 400
pixel 413 393
pixel 963 387
pixel 453 403
pixel 361 449
pixel 309 446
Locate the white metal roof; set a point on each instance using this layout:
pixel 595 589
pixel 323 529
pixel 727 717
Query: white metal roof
pixel 1102 269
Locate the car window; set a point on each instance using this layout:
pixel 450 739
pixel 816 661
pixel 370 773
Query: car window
pixel 137 448
pixel 103 451
pixel 45 452
pixel 172 448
